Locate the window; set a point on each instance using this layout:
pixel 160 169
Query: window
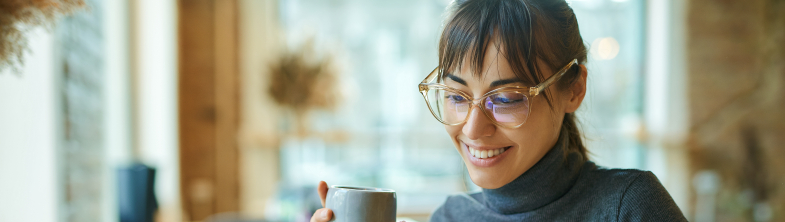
pixel 387 47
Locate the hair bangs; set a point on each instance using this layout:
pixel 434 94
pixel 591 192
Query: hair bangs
pixel 471 29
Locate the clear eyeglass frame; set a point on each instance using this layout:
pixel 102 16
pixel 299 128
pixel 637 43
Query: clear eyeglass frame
pixel 431 82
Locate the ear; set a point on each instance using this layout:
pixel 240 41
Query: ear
pixel 576 91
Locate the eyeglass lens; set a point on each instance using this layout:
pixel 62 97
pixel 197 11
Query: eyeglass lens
pixel 506 108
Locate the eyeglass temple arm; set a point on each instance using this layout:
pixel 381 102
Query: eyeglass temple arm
pixel 536 90
pixel 428 79
pixel 431 76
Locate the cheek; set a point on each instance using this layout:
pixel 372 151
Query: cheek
pixel 542 115
pixel 453 131
pixel 539 129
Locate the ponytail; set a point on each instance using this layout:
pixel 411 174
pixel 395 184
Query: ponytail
pixel 575 143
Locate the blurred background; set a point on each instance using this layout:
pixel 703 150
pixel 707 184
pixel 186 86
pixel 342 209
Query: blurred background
pixel 234 110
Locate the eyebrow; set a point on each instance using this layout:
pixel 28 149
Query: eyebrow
pixel 457 79
pixel 496 83
pixel 504 82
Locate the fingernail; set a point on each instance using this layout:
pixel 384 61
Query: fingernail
pixel 324 213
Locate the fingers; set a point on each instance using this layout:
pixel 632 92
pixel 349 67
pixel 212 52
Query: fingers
pixel 322 215
pixel 322 191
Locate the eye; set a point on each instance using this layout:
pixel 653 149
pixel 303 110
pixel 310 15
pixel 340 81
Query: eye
pixel 455 98
pixel 507 98
pixel 502 100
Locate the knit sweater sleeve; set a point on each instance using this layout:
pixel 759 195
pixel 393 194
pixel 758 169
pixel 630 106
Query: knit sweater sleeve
pixel 645 199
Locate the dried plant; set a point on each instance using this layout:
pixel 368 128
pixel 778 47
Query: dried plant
pixel 301 81
pixel 19 16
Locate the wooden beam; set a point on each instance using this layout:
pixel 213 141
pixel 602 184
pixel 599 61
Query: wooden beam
pixel 208 93
pixel 226 92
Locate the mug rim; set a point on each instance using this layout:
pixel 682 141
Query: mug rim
pixel 364 189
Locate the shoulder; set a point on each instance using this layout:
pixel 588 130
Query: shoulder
pixel 615 175
pixel 637 195
pixel 628 184
pixel 455 205
pixel 605 182
pixel 645 199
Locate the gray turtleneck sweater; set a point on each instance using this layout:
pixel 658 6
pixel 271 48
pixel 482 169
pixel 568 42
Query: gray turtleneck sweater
pixel 566 189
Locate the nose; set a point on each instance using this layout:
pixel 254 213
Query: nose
pixel 478 125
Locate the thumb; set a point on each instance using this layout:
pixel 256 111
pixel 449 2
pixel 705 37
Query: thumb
pixel 322 215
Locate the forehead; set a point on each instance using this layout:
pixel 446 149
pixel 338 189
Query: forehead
pixel 495 66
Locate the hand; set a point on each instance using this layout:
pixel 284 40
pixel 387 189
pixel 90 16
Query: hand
pixel 324 214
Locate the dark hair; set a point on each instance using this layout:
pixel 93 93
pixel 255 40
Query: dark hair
pixel 544 30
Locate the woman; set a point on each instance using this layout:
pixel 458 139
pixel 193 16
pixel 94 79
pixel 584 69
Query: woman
pixel 510 76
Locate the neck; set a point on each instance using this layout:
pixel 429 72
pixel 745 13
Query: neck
pixel 543 183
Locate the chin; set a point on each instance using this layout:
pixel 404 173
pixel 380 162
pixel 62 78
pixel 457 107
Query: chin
pixel 487 180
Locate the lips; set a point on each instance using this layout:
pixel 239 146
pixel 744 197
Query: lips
pixel 485 156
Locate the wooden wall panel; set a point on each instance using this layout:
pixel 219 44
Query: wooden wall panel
pixel 226 91
pixel 208 107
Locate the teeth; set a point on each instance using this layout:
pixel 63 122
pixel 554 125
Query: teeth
pixel 482 154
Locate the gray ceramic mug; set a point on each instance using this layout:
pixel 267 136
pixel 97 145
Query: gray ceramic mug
pixel 361 204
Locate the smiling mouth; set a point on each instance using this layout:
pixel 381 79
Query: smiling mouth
pixel 482 154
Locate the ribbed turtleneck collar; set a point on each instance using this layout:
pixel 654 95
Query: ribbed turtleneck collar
pixel 546 181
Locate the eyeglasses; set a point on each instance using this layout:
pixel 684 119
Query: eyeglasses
pixel 506 106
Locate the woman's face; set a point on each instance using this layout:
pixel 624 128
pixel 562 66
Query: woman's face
pixel 523 146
